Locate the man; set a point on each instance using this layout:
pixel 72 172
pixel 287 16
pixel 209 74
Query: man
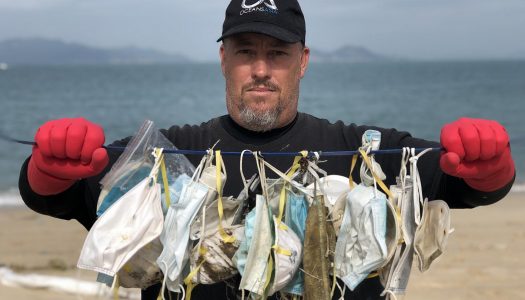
pixel 263 58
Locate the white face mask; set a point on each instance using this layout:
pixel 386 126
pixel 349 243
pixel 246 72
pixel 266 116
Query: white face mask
pixel 432 235
pixel 175 236
pixel 128 225
pixel 176 233
pixel 361 245
pixel 287 252
pixel 396 274
pixel 209 221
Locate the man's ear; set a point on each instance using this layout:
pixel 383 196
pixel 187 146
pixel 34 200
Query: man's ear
pixel 222 57
pixel 305 58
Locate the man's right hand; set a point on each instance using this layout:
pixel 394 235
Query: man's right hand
pixel 66 150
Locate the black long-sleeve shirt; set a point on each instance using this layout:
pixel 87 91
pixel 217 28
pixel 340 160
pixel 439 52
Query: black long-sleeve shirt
pixel 306 132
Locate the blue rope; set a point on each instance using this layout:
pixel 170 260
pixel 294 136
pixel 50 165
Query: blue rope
pixel 227 153
pixel 234 153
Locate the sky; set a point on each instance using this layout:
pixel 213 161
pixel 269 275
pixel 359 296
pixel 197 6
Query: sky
pixel 413 29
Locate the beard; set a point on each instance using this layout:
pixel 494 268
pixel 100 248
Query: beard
pixel 260 121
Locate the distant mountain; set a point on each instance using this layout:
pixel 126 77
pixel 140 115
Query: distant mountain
pixel 347 54
pixel 47 51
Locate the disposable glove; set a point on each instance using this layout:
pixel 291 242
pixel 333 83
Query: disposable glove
pixel 66 150
pixel 478 151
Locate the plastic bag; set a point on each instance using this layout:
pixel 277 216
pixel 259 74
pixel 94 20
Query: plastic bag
pixel 135 163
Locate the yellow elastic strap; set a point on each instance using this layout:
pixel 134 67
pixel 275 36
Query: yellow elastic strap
pixel 373 274
pixel 189 283
pixel 283 226
pixel 218 168
pixel 281 250
pixel 165 181
pixel 116 286
pixel 378 180
pixel 352 166
pixel 282 196
pixel 269 272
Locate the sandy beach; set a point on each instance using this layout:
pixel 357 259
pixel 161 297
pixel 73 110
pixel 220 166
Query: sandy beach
pixel 485 258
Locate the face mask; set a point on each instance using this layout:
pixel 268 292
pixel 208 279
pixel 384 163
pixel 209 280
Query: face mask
pixel 239 259
pixel 432 235
pixel 132 222
pixel 396 274
pixel 295 218
pixel 142 271
pixel 176 233
pixel 332 186
pixel 209 220
pixel 361 245
pixel 255 277
pixel 175 190
pixel 129 180
pixel 213 261
pixel 287 252
pixel 408 198
pixel 319 244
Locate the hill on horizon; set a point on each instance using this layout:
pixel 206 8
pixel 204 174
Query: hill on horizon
pixel 347 53
pixel 51 51
pixel 54 51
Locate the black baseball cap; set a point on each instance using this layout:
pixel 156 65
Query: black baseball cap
pixel 281 19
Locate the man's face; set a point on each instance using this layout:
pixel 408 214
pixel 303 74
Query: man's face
pixel 262 79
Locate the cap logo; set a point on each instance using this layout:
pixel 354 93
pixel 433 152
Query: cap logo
pixel 270 5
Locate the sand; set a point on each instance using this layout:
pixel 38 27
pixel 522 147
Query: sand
pixel 485 258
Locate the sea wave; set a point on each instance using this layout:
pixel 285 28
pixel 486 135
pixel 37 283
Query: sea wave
pixel 10 197
pixel 518 187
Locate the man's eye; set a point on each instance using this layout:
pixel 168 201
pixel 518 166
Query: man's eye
pixel 244 51
pixel 278 53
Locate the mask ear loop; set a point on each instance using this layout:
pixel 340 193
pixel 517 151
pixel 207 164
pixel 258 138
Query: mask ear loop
pixel 379 181
pixel 241 171
pixel 314 170
pixel 262 174
pixel 416 184
pixel 352 166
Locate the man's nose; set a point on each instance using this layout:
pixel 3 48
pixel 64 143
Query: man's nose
pixel 261 68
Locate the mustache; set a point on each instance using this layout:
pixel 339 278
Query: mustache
pixel 261 83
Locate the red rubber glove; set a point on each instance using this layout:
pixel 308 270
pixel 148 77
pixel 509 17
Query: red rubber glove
pixel 66 150
pixel 478 151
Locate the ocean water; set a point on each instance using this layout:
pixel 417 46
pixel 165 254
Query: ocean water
pixel 418 97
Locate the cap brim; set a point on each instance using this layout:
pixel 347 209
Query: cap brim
pixel 264 28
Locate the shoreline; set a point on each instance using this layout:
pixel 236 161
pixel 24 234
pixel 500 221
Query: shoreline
pixel 484 257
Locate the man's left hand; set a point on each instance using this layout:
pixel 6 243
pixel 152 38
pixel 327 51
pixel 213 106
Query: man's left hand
pixel 478 151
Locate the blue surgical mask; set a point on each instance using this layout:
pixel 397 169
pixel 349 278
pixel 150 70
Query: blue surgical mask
pixel 255 277
pixel 239 259
pixel 295 217
pixel 123 186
